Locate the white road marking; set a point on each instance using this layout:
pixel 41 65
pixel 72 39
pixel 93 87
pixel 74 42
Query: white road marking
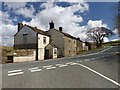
pixel 33 68
pixel 12 74
pixel 50 68
pixel 77 61
pixel 81 61
pixel 63 65
pixel 69 62
pixel 47 66
pixel 36 70
pixel 86 60
pixel 59 64
pixel 97 52
pixel 73 63
pixel 103 76
pixel 105 49
pixel 14 71
pixel 92 58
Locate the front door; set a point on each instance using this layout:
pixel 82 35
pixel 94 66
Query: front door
pixel 46 54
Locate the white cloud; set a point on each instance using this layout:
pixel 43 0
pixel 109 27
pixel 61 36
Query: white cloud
pixel 62 16
pixel 115 31
pixel 65 17
pixel 7 29
pixel 116 39
pixel 96 23
pixel 7 34
pixel 71 1
pixel 27 12
pixel 106 39
pixel 5 17
pixel 15 5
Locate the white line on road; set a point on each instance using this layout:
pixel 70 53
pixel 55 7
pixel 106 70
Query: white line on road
pixel 59 64
pixel 73 63
pixel 97 52
pixel 36 70
pixel 33 68
pixel 47 66
pixel 12 74
pixel 81 61
pixel 105 77
pixel 86 60
pixel 14 71
pixel 50 68
pixel 69 62
pixel 63 65
pixel 92 58
pixel 105 49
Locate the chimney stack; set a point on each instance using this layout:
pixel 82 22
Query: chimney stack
pixel 20 25
pixel 51 25
pixel 78 38
pixel 60 29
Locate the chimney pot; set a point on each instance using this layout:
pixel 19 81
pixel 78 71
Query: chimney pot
pixel 60 29
pixel 20 25
pixel 35 27
pixel 51 25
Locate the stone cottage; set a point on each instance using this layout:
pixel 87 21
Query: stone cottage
pixel 38 44
pixel 31 39
pixel 67 44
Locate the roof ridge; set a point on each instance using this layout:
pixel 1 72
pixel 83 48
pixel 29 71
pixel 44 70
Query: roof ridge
pixel 37 30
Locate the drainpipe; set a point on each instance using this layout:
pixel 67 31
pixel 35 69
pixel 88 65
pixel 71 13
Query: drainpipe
pixel 36 46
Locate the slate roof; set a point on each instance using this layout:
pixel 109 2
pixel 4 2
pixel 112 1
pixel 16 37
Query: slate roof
pixel 37 30
pixel 52 45
pixel 66 34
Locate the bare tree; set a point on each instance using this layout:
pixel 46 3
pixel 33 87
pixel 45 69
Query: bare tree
pixel 97 34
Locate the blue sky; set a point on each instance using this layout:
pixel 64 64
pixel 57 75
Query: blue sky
pixel 76 18
pixel 102 11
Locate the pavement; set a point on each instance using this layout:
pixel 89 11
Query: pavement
pixel 93 70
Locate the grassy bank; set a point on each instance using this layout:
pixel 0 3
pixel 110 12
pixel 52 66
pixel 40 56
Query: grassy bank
pixel 113 43
pixel 5 50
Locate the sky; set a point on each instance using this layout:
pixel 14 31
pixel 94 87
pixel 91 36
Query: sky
pixel 76 18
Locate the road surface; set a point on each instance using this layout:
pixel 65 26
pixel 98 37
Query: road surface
pixel 93 70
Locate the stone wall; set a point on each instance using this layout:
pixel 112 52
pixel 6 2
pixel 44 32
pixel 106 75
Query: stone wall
pixel 79 46
pixel 24 52
pixel 69 46
pixel 24 59
pixel 57 38
pixel 24 55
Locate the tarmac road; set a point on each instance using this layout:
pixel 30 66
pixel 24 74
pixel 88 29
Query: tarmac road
pixel 94 70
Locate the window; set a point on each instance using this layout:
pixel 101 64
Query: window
pixel 25 38
pixel 44 40
pixel 69 51
pixel 55 51
pixel 74 41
